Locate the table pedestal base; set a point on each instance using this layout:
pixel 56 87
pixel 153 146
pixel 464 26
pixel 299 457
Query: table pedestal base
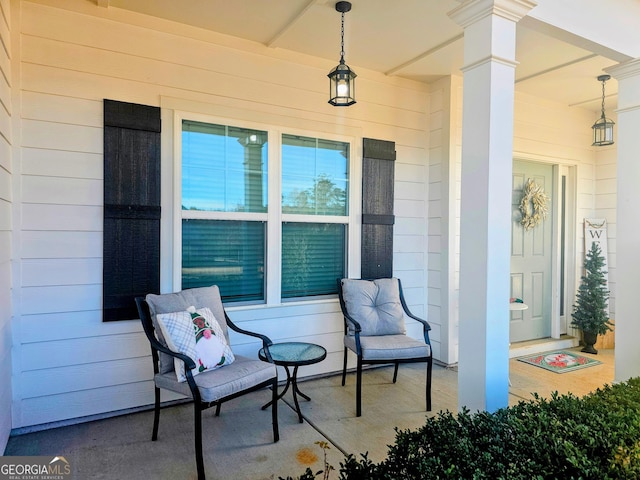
pixel 293 381
pixel 292 354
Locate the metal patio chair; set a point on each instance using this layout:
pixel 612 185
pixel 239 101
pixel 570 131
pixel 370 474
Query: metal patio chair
pixel 211 387
pixel 374 329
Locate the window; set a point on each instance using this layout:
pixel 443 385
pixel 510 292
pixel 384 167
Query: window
pixel 226 238
pixel 314 187
pixel 224 204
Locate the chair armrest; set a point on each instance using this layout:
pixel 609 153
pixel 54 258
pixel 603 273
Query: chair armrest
pixel 189 364
pixel 349 319
pixel 266 341
pixel 356 327
pixel 425 325
pixel 188 361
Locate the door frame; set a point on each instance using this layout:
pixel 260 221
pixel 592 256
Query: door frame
pixel 563 251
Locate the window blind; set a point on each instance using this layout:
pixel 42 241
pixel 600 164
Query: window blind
pixel 226 253
pixel 313 256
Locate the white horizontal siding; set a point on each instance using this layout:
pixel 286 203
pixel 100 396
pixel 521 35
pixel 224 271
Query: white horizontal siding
pixel 76 404
pixel 443 200
pixel 606 191
pixel 66 191
pixel 54 380
pixel 410 173
pixel 60 298
pixel 61 136
pixel 61 163
pixel 407 261
pixel 70 363
pixel 54 244
pixel 62 109
pixel 49 272
pixel 69 325
pixel 6 223
pixel 45 216
pixel 81 351
pixel 5 218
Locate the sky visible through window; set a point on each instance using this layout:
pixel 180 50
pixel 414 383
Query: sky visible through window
pixel 225 169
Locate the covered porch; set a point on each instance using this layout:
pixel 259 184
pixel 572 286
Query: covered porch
pixel 62 58
pixel 238 444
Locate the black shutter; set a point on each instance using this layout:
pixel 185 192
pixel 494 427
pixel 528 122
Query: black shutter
pixel 131 261
pixel 377 208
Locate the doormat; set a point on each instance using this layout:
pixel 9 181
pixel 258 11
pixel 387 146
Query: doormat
pixel 560 362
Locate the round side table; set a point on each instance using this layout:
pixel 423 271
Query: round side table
pixel 293 354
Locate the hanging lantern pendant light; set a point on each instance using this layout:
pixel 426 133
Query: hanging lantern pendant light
pixel 603 128
pixel 342 83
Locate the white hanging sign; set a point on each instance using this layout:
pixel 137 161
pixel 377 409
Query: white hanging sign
pixel 595 231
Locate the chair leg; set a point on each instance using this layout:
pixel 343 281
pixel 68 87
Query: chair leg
pixel 359 387
pixel 156 415
pixel 344 366
pixel 395 372
pixel 429 367
pixel 218 406
pixel 198 440
pixel 274 410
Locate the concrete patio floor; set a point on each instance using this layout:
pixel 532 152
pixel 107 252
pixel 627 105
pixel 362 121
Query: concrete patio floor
pixel 239 445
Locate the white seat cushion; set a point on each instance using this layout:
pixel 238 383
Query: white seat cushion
pixel 242 374
pixel 388 347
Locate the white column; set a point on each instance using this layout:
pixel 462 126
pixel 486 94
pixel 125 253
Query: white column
pixel 485 225
pixel 627 318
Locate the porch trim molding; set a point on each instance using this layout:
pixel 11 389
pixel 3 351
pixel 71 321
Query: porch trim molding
pixel 495 59
pixel 473 10
pixel 625 70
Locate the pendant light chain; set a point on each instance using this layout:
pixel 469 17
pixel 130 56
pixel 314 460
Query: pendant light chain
pixel 603 82
pixel 342 41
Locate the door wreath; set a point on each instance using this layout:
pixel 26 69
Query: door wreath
pixel 533 205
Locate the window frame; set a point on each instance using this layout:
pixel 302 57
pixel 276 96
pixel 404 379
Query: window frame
pixel 274 217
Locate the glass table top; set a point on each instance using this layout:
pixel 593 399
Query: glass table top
pixel 295 353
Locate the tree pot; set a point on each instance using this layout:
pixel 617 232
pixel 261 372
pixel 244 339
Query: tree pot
pixel 589 341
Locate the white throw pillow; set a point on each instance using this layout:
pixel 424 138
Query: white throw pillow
pixel 197 334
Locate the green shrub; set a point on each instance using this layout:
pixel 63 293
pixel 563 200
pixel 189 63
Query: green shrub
pixel 564 437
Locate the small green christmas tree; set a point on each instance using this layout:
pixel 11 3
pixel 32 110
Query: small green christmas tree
pixel 590 312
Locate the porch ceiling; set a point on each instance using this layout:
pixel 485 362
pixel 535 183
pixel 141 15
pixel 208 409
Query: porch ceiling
pixel 410 38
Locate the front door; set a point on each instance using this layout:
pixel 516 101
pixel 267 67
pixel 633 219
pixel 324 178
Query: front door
pixel 531 256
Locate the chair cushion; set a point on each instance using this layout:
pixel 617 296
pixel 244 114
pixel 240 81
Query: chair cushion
pixel 175 302
pixel 375 305
pixel 389 347
pixel 241 375
pixel 198 335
